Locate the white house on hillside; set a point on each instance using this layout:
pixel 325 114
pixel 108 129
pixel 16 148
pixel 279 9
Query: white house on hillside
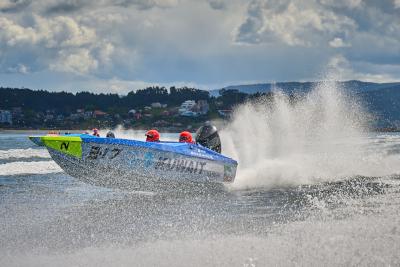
pixel 186 106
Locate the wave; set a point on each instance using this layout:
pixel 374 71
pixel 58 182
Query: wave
pixel 24 153
pixel 22 167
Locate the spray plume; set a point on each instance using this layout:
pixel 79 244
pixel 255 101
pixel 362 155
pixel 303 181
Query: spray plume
pixel 314 137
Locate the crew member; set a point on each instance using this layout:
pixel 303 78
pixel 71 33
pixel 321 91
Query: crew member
pixel 186 137
pixel 96 132
pixel 152 136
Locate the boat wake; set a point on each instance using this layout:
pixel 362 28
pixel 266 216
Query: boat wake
pixel 28 167
pixel 23 153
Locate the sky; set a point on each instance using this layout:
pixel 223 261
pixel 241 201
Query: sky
pixel 122 45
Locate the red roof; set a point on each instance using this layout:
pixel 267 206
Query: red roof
pixel 99 113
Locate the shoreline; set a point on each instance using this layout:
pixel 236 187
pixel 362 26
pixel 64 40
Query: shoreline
pixel 161 129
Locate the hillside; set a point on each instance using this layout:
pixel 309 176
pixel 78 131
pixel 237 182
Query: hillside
pixel 380 99
pixel 289 87
pixel 159 106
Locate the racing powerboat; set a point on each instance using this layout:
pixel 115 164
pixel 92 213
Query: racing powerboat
pixel 139 165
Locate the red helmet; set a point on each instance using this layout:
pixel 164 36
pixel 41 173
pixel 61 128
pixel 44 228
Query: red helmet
pixel 152 136
pixel 185 137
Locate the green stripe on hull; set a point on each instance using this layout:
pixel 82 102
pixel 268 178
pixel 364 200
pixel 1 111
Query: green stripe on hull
pixel 70 145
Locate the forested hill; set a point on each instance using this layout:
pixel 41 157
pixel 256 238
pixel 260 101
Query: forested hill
pixel 290 87
pixel 382 100
pixel 67 102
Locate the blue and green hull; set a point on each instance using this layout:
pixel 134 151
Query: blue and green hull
pixel 132 164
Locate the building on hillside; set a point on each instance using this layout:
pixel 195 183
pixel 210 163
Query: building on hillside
pixel 5 116
pixel 190 114
pixel 190 108
pixel 99 114
pixel 75 116
pixel 158 105
pixel 187 107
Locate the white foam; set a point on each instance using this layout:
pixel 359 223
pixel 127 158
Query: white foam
pixel 24 153
pixel 319 137
pixel 21 167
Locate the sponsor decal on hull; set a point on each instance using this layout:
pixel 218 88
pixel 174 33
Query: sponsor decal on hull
pixel 180 165
pixel 97 152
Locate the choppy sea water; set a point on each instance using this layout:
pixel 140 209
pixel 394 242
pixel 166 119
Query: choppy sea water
pixel 51 219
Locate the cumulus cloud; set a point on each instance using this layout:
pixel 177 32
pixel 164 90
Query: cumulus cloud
pixel 338 42
pixel 146 4
pixel 56 32
pixel 13 5
pixel 217 4
pixel 366 31
pixel 295 24
pixel 20 68
pixel 342 3
pixel 341 68
pixel 318 22
pixel 71 6
pixel 252 29
pixel 66 6
pixel 79 61
pixel 12 34
pixel 165 41
pixel 59 43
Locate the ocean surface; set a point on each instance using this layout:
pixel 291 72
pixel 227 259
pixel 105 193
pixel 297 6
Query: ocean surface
pixel 51 219
pixel 314 187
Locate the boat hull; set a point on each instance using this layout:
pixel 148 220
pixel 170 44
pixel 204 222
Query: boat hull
pixel 137 165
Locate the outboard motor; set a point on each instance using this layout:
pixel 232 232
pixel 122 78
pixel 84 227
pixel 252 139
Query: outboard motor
pixel 208 136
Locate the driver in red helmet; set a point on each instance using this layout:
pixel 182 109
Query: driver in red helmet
pixel 152 136
pixel 186 137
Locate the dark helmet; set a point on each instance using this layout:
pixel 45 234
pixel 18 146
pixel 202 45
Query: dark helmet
pixel 185 137
pixel 152 136
pixel 110 134
pixel 208 136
